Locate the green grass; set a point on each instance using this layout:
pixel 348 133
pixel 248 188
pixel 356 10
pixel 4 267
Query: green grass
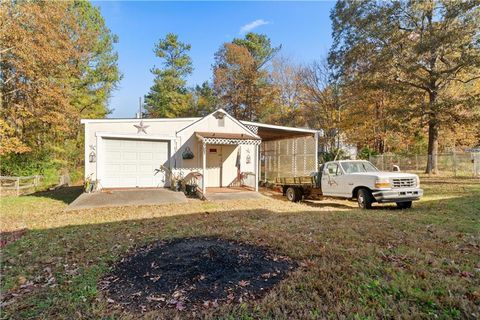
pixel 383 263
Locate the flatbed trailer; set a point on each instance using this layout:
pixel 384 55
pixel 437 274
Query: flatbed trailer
pixel 296 188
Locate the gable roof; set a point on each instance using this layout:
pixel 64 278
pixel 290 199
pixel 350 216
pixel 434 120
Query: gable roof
pixel 240 124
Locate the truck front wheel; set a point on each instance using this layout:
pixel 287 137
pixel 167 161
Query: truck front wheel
pixel 364 199
pixel 292 194
pixel 404 205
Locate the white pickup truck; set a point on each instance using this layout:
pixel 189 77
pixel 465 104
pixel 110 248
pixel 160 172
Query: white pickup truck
pixel 355 179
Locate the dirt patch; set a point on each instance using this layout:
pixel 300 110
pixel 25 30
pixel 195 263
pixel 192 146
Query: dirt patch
pixel 193 273
pixel 9 237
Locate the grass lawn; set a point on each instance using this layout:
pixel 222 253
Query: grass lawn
pixel 382 263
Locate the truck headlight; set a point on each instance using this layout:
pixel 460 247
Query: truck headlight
pixel 382 184
pixel 418 182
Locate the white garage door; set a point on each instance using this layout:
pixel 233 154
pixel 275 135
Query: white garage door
pixel 132 163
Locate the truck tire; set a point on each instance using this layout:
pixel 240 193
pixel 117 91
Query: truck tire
pixel 364 199
pixel 299 194
pixel 404 205
pixel 292 194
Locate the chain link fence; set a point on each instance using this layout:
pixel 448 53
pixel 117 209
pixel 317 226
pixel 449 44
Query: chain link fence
pixel 464 164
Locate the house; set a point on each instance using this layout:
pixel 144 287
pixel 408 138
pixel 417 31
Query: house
pixel 217 151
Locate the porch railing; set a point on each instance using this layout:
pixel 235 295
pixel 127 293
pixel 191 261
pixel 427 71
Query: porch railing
pixel 244 179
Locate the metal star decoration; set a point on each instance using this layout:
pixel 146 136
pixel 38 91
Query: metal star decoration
pixel 141 127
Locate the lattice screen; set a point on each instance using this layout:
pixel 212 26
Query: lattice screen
pixel 288 158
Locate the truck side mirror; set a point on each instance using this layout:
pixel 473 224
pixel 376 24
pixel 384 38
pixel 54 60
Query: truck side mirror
pixel 396 168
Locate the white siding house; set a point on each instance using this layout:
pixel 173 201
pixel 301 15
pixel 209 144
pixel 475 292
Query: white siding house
pixel 145 153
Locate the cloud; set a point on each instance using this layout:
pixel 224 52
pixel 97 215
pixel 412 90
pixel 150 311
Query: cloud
pixel 252 25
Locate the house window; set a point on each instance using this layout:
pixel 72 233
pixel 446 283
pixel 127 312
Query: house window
pixel 212 150
pixel 221 122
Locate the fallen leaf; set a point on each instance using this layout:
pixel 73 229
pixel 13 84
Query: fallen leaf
pixel 243 283
pixel 180 306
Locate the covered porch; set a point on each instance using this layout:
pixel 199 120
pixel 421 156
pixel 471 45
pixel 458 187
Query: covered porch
pixel 230 162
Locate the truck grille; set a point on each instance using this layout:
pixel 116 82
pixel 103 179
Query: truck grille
pixel 404 182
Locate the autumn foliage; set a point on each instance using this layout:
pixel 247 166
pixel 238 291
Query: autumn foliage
pixel 57 65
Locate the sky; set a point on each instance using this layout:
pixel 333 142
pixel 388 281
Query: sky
pixel 302 28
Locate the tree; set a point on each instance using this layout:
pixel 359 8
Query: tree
pixel 99 73
pixel 259 46
pixel 286 79
pixel 57 64
pixel 169 97
pixel 321 102
pixel 204 100
pixel 426 48
pixel 241 81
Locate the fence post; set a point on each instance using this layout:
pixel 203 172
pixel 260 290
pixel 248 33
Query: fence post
pixel 454 163
pixel 17 185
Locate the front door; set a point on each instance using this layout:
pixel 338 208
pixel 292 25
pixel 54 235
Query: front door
pixel 214 166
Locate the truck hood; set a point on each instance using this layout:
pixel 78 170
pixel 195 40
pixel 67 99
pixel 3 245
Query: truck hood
pixel 385 174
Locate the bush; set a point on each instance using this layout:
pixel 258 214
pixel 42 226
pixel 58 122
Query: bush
pixel 30 165
pixel 334 154
pixel 366 152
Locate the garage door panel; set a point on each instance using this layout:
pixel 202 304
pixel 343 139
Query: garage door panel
pixel 128 169
pixel 146 169
pixel 132 163
pixel 113 156
pixel 112 168
pixel 129 143
pixel 127 155
pixel 145 156
pixel 113 145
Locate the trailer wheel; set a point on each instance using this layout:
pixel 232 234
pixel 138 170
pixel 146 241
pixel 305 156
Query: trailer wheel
pixel 364 199
pixel 292 194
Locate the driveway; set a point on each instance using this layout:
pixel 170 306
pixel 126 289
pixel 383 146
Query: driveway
pixel 242 195
pixel 130 197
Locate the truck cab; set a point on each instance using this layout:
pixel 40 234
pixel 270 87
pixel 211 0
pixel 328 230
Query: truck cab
pixel 361 180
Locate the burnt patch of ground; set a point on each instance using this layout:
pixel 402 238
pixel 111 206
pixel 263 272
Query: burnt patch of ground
pixel 193 273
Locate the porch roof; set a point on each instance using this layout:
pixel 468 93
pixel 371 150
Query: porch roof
pixel 223 135
pixel 227 138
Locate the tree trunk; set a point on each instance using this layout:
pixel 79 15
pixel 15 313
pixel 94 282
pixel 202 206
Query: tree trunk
pixel 432 146
pixel 433 126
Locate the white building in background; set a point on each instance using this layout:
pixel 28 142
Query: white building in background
pixel 218 150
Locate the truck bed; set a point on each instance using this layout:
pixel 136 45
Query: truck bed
pixel 306 185
pixel 299 181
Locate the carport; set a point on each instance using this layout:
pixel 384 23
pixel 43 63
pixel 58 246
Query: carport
pixel 285 151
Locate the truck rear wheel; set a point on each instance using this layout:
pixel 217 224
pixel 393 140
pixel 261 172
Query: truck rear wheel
pixel 404 205
pixel 293 194
pixel 364 199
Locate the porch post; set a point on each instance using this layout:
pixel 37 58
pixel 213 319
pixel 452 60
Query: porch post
pixel 256 168
pixel 204 167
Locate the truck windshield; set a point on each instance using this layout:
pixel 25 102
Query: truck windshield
pixel 358 166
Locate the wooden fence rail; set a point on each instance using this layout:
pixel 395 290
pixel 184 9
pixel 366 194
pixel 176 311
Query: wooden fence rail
pixel 19 183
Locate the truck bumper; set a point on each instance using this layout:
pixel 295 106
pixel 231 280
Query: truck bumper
pixel 398 195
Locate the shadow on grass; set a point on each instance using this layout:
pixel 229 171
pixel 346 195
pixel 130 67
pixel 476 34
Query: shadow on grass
pixel 66 194
pixel 77 256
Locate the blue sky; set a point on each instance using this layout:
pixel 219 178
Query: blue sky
pixel 302 28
